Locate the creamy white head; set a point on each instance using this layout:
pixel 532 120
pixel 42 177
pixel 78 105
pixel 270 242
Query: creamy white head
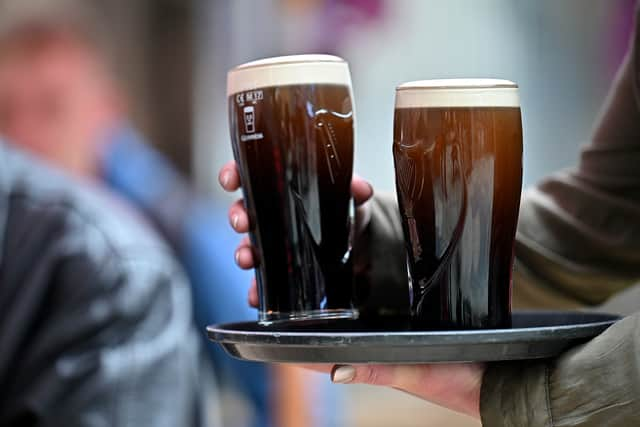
pixel 449 93
pixel 288 70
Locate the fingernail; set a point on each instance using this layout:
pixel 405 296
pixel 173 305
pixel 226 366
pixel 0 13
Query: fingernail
pixel 343 374
pixel 237 257
pixel 225 178
pixel 234 220
pixel 370 188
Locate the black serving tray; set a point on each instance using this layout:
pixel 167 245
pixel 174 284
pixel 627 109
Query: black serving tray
pixel 534 335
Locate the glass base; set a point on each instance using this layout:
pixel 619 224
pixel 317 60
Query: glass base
pixel 270 317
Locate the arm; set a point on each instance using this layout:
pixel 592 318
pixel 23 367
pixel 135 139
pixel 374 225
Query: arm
pixel 191 223
pixel 196 229
pixel 591 385
pixel 579 233
pixel 578 240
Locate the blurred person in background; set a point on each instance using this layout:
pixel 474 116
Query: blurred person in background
pixel 96 323
pixel 577 246
pixel 60 100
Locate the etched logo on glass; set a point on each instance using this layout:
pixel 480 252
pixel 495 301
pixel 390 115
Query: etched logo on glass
pixel 249 119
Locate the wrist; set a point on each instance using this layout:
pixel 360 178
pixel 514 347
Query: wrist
pixel 476 390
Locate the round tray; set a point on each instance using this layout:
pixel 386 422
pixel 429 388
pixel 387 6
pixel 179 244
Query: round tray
pixel 534 335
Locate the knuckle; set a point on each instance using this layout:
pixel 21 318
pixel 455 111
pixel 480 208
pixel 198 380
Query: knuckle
pixel 371 376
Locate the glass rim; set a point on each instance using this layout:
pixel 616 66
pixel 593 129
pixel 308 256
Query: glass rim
pixel 464 93
pixel 288 60
pixel 457 84
pixel 288 71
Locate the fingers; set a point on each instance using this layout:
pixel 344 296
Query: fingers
pixel 455 386
pixel 229 177
pixel 361 190
pixel 244 254
pixel 238 217
pixel 244 258
pixel 253 294
pixel 239 220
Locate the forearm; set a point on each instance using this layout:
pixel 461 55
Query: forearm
pixel 575 245
pixel 591 385
pixel 578 238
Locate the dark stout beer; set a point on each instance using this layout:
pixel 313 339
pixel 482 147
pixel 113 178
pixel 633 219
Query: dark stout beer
pixel 458 159
pixel 292 128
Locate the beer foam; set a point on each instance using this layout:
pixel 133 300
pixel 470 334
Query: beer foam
pixel 288 70
pixel 458 93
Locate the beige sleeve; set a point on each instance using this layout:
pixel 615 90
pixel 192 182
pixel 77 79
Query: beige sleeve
pixel 578 240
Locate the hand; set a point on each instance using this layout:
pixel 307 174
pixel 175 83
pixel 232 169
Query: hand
pixel 230 181
pixel 454 386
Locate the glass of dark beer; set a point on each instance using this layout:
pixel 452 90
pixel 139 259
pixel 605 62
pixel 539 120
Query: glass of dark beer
pixel 292 129
pixel 457 149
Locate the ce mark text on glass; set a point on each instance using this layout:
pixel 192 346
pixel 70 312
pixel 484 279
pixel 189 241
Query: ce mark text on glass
pixel 249 113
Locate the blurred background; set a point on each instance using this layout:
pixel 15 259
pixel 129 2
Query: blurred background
pixel 170 58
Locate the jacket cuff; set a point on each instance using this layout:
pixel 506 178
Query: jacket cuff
pixel 516 394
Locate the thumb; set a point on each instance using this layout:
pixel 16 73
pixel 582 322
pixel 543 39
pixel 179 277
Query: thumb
pixel 361 190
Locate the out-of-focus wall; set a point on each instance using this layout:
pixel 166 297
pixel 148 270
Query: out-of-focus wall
pixel 154 39
pixel 152 42
pixel 227 33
